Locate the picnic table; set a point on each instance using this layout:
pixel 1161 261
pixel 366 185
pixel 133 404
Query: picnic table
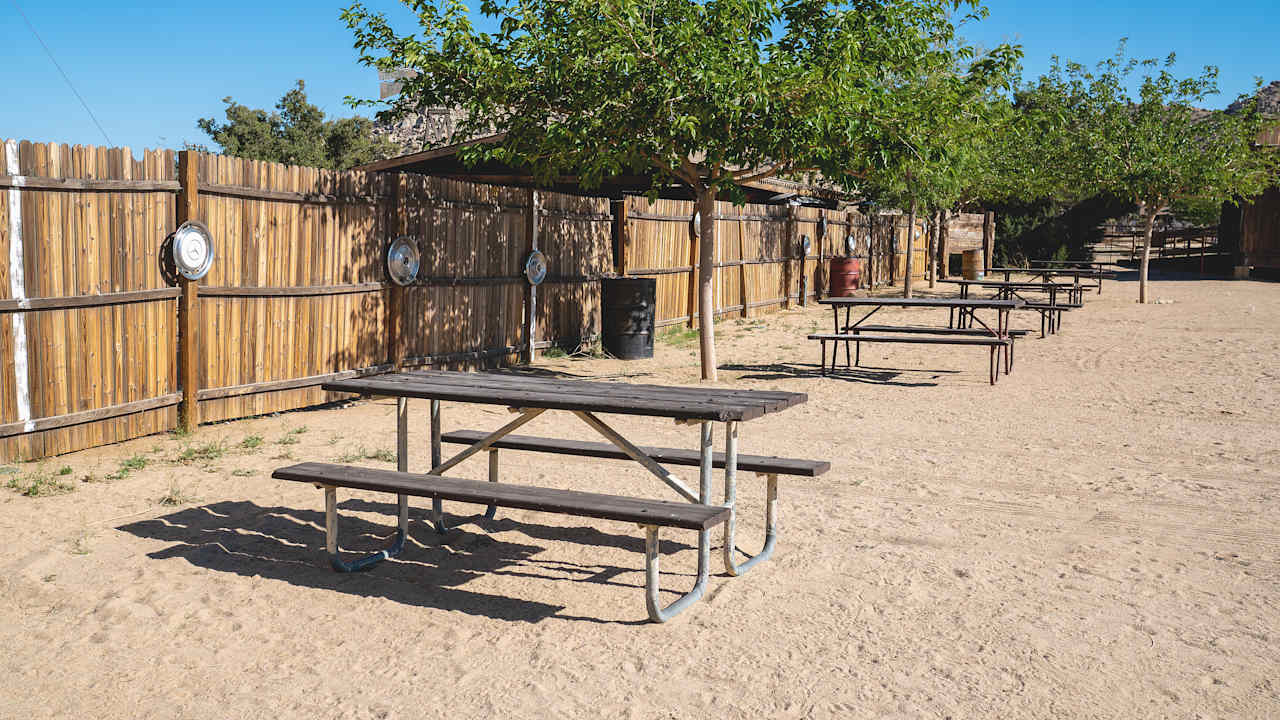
pixel 1008 289
pixel 1050 312
pixel 529 397
pixel 997 339
pixel 1047 274
pixel 1068 263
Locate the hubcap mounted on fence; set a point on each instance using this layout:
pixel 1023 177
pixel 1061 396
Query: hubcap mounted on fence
pixel 535 268
pixel 192 250
pixel 403 261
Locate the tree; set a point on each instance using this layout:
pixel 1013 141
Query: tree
pixel 705 95
pixel 1153 148
pixel 298 134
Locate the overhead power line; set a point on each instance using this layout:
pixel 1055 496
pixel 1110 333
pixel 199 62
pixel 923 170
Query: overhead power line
pixel 49 52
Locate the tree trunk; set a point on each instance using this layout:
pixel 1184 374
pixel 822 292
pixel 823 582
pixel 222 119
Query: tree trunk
pixel 911 247
pixel 706 283
pixel 1148 211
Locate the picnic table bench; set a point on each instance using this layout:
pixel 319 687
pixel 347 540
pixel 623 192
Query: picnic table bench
pixel 995 339
pixel 529 397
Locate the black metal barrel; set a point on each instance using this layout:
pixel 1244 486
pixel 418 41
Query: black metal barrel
pixel 626 316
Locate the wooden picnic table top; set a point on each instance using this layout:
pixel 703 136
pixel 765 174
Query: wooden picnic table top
pixel 1079 272
pixel 1068 263
pixel 951 302
pixel 525 391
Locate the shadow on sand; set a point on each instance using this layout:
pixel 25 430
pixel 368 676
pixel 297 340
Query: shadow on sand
pixel 287 544
pixel 861 374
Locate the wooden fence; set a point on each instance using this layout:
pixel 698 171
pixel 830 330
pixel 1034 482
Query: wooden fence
pixel 87 333
pixel 98 347
pixel 297 293
pixel 760 263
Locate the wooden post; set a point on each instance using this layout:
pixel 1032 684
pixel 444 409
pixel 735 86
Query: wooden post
pixel 944 243
pixel 742 265
pixel 788 249
pixel 395 293
pixel 531 219
pixel 188 346
pixel 694 250
pixel 930 262
pixel 988 239
pixel 871 252
pixel 911 247
pixel 619 208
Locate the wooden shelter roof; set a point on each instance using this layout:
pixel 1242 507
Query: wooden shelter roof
pixel 445 162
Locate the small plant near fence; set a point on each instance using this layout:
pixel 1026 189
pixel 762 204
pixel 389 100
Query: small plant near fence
pixel 42 483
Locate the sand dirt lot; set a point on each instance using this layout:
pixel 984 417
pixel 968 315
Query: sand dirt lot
pixel 1095 536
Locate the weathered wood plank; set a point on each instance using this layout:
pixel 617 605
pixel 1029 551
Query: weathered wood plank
pixel 670 456
pixel 666 513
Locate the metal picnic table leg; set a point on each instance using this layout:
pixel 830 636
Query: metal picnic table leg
pixel 437 507
pixel 730 500
pixel 402 506
pixel 653 603
pixel 439 466
pixel 331 535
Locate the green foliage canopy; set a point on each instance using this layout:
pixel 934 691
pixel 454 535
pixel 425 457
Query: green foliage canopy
pixel 297 134
pixel 1152 148
pixel 705 94
pixel 712 93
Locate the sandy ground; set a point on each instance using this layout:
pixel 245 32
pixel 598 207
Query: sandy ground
pixel 1095 536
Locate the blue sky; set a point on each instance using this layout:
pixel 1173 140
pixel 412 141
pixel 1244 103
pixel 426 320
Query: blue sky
pixel 148 70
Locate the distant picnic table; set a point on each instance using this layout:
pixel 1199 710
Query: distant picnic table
pixel 529 397
pixel 996 339
pixel 1047 274
pixel 1068 263
pixel 1051 311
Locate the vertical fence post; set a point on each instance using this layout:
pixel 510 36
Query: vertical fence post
pixel 619 212
pixel 395 293
pixel 908 266
pixel 871 252
pixel 187 207
pixel 944 243
pixel 988 239
pixel 742 265
pixel 695 240
pixel 819 273
pixel 531 220
pixel 788 250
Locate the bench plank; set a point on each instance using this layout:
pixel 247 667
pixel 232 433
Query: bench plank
pixel 852 337
pixel 915 329
pixel 664 513
pixel 672 456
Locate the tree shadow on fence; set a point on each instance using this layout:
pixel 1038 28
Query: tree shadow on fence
pixel 801 371
pixel 287 544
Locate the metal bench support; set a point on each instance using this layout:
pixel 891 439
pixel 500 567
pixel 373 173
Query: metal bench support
pixel 368 561
pixel 731 565
pixel 439 467
pixel 653 603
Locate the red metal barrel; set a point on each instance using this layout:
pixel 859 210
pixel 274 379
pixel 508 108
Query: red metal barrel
pixel 846 275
